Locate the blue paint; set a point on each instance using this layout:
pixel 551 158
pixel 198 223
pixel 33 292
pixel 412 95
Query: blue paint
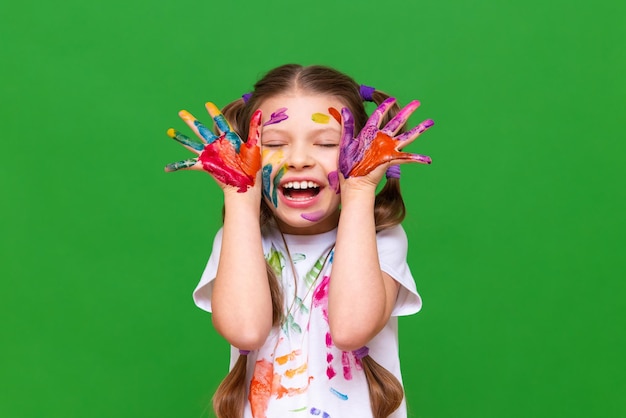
pixel 339 394
pixel 205 132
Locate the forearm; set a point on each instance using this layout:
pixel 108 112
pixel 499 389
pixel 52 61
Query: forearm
pixel 360 294
pixel 241 301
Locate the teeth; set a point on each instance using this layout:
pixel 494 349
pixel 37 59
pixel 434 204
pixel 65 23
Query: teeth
pixel 301 185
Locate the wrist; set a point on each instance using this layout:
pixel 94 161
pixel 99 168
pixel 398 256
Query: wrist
pixel 247 203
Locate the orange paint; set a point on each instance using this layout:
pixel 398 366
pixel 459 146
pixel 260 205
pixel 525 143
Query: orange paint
pixel 287 357
pixel 261 388
pixel 382 150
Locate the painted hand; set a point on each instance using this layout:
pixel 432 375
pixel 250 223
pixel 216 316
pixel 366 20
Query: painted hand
pixel 374 147
pixel 226 157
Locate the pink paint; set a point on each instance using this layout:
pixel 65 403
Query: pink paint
pixel 345 361
pixel 313 216
pixel 221 160
pixel 330 372
pixel 320 296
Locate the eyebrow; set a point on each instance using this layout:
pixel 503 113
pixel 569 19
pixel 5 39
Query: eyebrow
pixel 317 130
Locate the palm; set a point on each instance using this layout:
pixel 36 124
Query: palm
pixel 373 147
pixel 226 157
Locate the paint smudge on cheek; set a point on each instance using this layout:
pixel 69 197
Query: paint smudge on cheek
pixel 313 216
pixel 267 181
pixel 320 118
pixel 333 181
pixel 272 160
pixel 335 114
pixel 276 182
pixel 277 117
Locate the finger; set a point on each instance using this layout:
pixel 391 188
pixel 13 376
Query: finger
pixel 255 128
pixel 348 145
pixel 407 157
pixel 400 119
pixel 380 112
pixel 409 136
pixel 347 128
pixel 191 164
pixel 186 141
pixel 198 128
pixel 220 120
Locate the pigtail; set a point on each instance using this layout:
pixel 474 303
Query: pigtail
pixel 386 392
pixel 230 397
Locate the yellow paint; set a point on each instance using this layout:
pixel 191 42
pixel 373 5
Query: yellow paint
pixel 272 156
pixel 292 372
pixel 171 133
pixel 215 111
pixel 320 118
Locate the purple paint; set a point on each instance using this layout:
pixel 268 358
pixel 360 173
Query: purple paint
pixel 278 116
pixel 313 216
pixel 333 181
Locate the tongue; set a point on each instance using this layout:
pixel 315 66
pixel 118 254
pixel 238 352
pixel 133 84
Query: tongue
pixel 300 193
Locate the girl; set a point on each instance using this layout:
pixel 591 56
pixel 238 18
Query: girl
pixel 299 202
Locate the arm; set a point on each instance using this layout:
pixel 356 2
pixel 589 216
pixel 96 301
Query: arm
pixel 241 302
pixel 361 296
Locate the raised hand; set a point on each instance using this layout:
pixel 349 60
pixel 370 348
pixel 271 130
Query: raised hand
pixel 373 147
pixel 226 157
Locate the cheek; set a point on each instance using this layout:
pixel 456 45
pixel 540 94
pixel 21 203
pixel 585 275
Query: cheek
pixel 273 158
pixel 272 172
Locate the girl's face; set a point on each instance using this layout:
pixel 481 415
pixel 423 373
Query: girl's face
pixel 300 150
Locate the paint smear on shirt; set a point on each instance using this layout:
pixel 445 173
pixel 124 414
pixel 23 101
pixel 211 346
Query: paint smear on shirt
pixel 345 362
pixel 315 411
pixel 340 395
pixel 287 357
pixel 261 388
pixel 277 117
pixel 320 118
pixel 299 370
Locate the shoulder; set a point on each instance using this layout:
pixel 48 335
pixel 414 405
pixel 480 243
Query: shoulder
pixel 393 238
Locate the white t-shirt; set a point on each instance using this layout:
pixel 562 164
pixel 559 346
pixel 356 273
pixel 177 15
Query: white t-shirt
pixel 299 372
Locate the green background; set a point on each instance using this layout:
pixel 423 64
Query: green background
pixel 516 230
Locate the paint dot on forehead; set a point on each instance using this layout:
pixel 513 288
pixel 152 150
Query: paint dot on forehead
pixel 320 118
pixel 335 114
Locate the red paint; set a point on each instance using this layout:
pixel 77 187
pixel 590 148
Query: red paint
pixel 335 114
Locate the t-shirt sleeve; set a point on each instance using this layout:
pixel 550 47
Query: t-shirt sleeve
pixel 204 289
pixel 392 252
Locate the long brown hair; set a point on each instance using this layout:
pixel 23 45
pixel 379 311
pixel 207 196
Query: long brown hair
pixel 386 392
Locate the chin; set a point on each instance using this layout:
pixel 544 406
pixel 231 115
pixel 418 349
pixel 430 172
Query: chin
pixel 307 222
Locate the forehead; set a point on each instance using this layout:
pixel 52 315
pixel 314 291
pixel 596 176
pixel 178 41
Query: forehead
pixel 299 107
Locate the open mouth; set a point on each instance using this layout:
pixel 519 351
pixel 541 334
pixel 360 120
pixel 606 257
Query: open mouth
pixel 300 190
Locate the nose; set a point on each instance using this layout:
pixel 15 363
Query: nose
pixel 299 157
